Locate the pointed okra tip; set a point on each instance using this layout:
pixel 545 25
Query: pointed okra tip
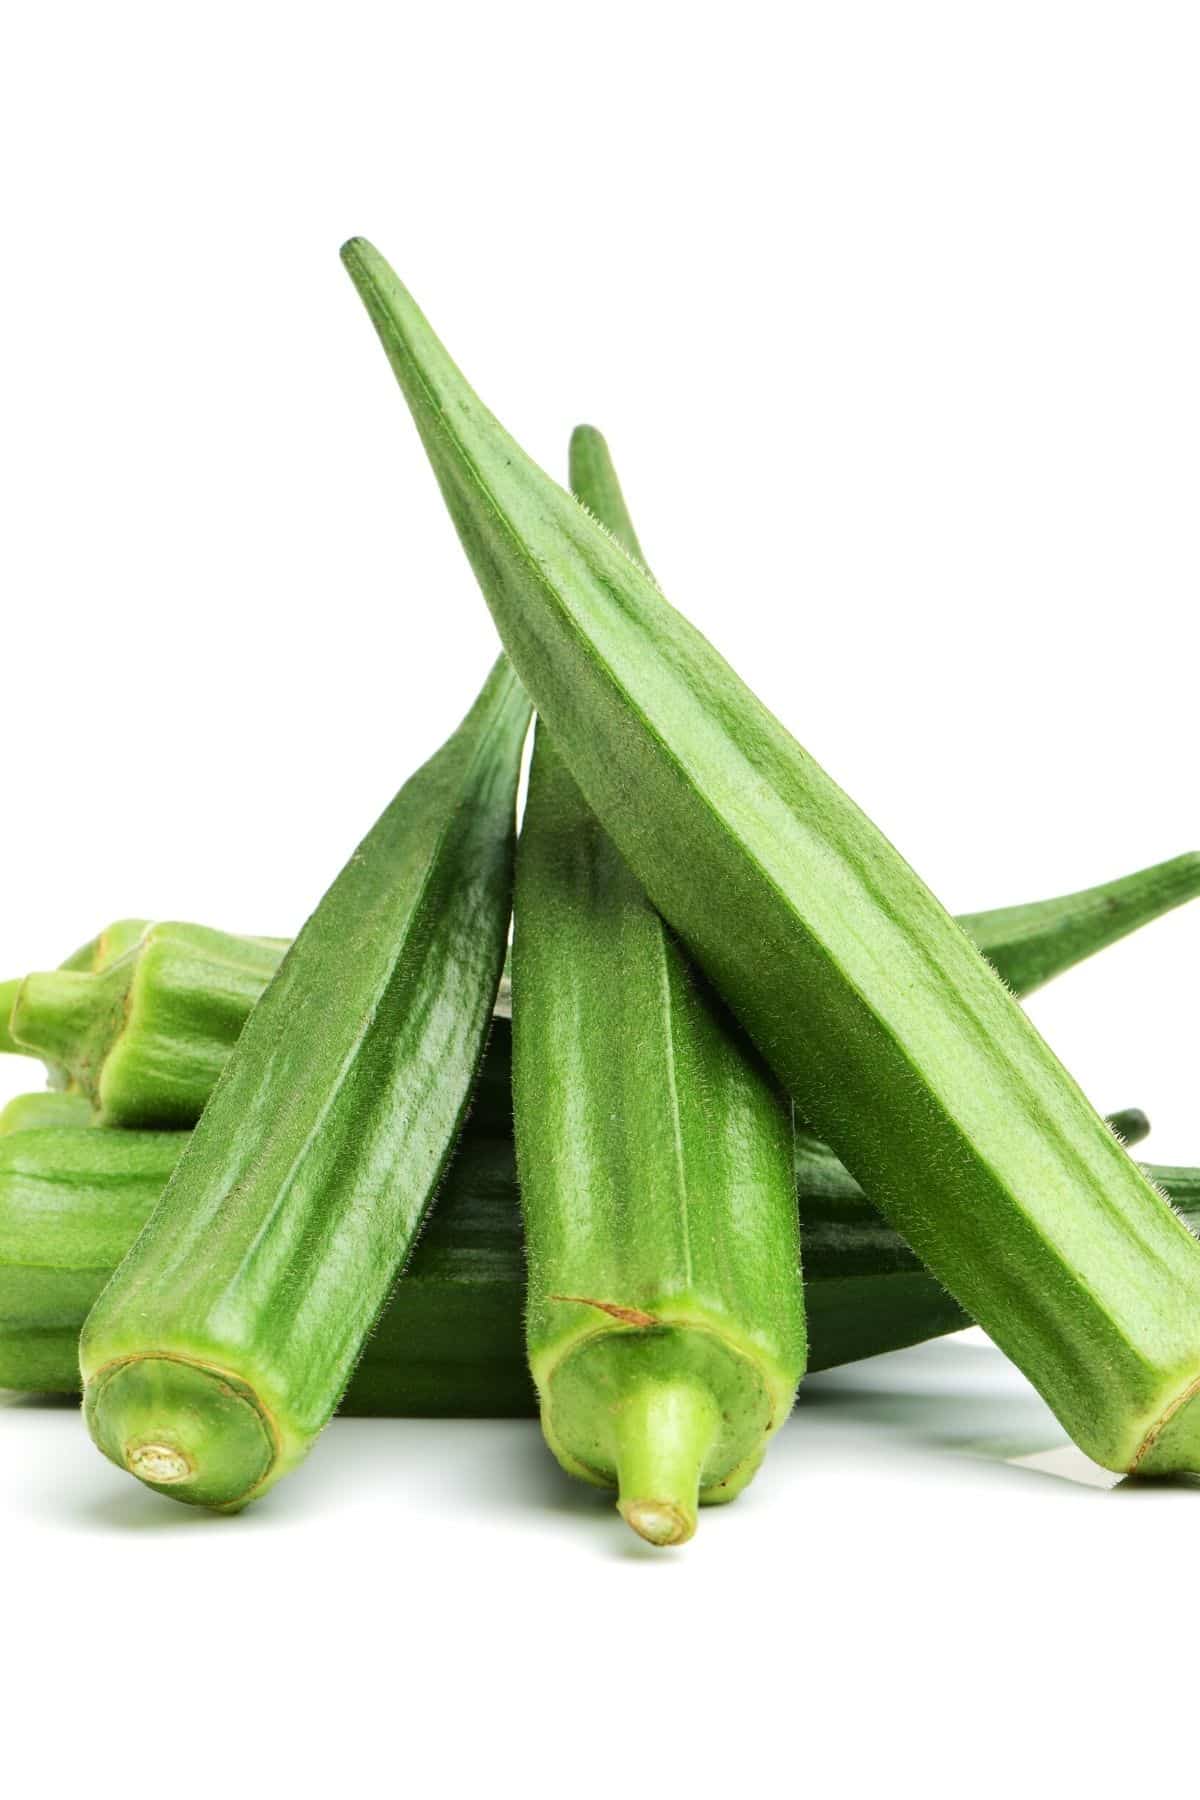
pixel 356 249
pixel 588 444
pixel 367 268
pixel 371 273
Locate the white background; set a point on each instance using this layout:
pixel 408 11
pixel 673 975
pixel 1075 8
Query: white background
pixel 889 314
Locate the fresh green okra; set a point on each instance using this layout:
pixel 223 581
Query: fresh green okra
pixel 665 1320
pixel 25 1112
pixel 191 990
pixel 1029 945
pixel 145 1034
pixel 114 941
pixel 897 1039
pixel 226 1338
pixel 451 1340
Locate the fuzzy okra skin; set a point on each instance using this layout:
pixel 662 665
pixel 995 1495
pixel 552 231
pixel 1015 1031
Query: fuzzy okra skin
pixel 112 942
pixel 665 1319
pixel 223 1343
pixel 665 1315
pixel 96 954
pixel 451 1340
pixel 1029 945
pixel 163 1004
pixel 145 1034
pixel 898 1041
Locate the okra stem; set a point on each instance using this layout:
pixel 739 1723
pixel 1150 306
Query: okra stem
pixel 663 1431
pixel 181 1425
pixel 67 1007
pixel 25 1112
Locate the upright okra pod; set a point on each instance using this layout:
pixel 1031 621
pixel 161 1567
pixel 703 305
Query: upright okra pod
pixel 226 1338
pixel 898 1041
pixel 665 1319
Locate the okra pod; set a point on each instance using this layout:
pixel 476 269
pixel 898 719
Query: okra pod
pixel 665 1319
pixel 53 1106
pixel 190 989
pixel 451 1340
pixel 897 1039
pixel 223 1343
pixel 145 1034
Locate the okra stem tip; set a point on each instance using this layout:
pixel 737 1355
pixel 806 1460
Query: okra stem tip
pixel 159 1463
pixel 657 1522
pixel 190 1428
pixel 664 1432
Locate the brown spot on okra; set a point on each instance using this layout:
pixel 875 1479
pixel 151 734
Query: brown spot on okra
pixel 628 1315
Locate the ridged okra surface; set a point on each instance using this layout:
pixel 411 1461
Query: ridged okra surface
pixel 899 1042
pixel 451 1340
pixel 229 1333
pixel 193 988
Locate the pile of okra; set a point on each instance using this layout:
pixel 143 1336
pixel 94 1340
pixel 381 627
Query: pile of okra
pixel 625 1118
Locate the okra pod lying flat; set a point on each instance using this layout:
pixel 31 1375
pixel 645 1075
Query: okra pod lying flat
pixel 226 1339
pixel 665 1320
pixel 96 954
pixel 449 1342
pixel 186 990
pixel 52 1106
pixel 145 1034
pixel 896 1038
pixel 451 1338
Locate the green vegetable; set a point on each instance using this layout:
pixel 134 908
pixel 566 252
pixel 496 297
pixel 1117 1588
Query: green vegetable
pixel 1031 944
pixel 194 987
pixel 451 1339
pixel 8 1044
pixel 26 1112
pixel 1131 1126
pixel 112 942
pixel 145 1035
pixel 665 1319
pixel 896 1038
pixel 71 1203
pixel 225 1340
